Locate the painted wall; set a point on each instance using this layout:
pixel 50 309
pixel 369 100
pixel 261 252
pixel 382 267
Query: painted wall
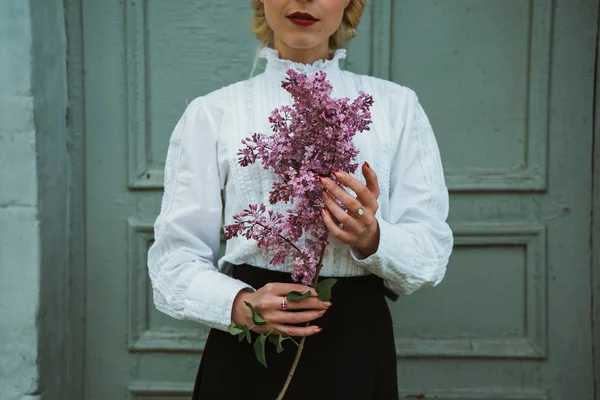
pixel 19 236
pixel 35 327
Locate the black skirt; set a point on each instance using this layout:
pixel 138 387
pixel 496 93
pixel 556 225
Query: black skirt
pixel 352 358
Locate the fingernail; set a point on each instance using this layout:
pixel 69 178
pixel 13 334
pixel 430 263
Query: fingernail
pixel 318 329
pixel 327 305
pixel 321 312
pixel 339 174
pixel 367 164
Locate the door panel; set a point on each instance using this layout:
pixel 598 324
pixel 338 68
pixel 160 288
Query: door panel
pixel 508 88
pixel 519 186
pixel 495 57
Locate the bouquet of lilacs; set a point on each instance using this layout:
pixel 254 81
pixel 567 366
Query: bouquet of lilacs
pixel 310 139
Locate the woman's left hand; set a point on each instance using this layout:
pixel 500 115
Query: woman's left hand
pixel 359 228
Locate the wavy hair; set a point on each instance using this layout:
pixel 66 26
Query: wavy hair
pixel 338 40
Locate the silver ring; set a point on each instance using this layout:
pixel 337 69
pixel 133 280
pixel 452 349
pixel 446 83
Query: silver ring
pixel 284 305
pixel 360 211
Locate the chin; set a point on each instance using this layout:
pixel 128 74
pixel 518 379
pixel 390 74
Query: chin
pixel 301 43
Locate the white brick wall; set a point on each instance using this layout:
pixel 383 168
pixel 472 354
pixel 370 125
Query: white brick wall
pixel 19 228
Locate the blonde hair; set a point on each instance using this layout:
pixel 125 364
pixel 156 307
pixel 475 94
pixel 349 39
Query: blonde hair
pixel 338 40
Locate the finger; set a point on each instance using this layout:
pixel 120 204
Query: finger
pixel 339 214
pixel 371 179
pixel 282 289
pixel 293 318
pixel 363 194
pixel 351 202
pixel 288 330
pixel 334 229
pixel 310 303
pixel 264 329
pixel 298 331
pixel 274 303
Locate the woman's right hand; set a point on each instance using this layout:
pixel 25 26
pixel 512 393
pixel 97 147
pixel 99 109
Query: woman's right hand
pixel 267 302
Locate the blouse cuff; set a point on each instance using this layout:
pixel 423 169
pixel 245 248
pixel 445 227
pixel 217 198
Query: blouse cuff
pixel 379 258
pixel 210 296
pixel 387 262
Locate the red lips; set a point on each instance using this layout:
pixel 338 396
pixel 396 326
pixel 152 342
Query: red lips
pixel 302 19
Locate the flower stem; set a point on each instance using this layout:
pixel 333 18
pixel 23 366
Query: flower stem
pixel 303 340
pixel 274 329
pixel 280 236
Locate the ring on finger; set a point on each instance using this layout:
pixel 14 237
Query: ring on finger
pixel 284 305
pixel 360 211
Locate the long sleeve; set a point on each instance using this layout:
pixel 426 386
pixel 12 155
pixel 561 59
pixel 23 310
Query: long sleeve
pixel 415 240
pixel 186 284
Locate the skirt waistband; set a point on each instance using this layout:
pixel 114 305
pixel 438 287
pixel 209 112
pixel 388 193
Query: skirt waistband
pixel 258 277
pixel 345 286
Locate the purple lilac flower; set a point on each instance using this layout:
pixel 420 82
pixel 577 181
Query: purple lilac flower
pixel 310 139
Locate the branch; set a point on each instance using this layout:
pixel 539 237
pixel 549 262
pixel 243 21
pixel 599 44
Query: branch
pixel 281 237
pixel 303 340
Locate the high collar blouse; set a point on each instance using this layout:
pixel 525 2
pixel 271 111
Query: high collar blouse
pixel 205 187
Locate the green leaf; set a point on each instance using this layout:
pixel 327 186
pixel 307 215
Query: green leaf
pixel 323 289
pixel 235 329
pixel 279 343
pixel 259 349
pixel 273 339
pixel 248 337
pixel 256 318
pixel 295 296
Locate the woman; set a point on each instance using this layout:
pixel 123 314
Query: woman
pixel 399 241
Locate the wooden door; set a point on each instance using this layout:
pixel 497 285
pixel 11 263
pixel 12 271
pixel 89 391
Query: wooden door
pixel 508 87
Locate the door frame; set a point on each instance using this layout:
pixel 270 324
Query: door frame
pixel 595 224
pixel 75 116
pixel 77 190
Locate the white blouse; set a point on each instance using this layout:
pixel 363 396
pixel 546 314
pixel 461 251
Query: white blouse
pixel 205 186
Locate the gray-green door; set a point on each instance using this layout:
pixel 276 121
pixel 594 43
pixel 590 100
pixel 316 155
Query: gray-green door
pixel 508 86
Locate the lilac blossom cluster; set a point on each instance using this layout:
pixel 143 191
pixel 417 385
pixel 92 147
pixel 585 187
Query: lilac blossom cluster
pixel 311 139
